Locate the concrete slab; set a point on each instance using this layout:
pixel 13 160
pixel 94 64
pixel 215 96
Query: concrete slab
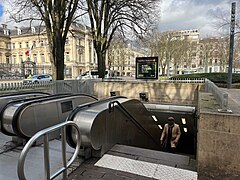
pixel 34 164
pixel 141 168
pixel 125 162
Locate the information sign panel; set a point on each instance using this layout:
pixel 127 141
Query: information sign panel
pixel 147 68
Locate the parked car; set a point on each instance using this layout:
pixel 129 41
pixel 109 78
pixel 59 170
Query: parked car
pixel 93 74
pixel 35 79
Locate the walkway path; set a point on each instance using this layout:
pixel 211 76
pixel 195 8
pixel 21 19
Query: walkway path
pixel 125 162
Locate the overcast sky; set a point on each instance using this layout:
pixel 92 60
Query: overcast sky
pixel 192 14
pixel 178 14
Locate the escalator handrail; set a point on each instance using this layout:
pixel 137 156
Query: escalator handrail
pixel 27 102
pixel 16 114
pixel 77 109
pixel 135 122
pixel 30 100
pixel 23 93
pixel 45 133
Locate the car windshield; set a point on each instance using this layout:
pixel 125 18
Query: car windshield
pixel 34 77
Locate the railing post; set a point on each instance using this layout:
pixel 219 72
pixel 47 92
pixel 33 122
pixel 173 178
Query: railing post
pixel 206 85
pixel 225 102
pixel 46 157
pixel 44 133
pixel 64 158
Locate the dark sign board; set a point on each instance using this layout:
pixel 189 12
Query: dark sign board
pixel 147 68
pixel 66 106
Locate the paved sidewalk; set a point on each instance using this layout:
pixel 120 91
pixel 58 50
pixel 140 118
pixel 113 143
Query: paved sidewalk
pixel 125 162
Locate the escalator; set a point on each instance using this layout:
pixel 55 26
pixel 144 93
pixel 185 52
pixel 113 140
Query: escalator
pixel 25 117
pixel 6 98
pixel 117 120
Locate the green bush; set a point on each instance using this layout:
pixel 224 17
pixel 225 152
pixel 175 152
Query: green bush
pixel 214 77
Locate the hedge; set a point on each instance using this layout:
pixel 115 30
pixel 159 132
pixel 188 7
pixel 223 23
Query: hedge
pixel 214 77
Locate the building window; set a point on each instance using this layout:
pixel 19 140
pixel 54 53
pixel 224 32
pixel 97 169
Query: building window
pixel 193 65
pixel 20 45
pixel 67 41
pixel 34 44
pixel 185 66
pixel 33 30
pixel 13 45
pixel 43 58
pixel 27 45
pixel 42 43
pixel 7 59
pixel 67 56
pixel 35 58
pixel 14 59
pixel 19 31
pixel 21 58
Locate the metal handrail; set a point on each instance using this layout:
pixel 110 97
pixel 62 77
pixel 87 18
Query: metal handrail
pixel 135 122
pixel 45 133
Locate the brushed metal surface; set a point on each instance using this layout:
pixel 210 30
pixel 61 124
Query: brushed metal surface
pixel 6 98
pixel 35 116
pixel 101 129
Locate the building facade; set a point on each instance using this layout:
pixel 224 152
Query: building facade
pixel 5 49
pixel 121 58
pixel 25 51
pixel 189 58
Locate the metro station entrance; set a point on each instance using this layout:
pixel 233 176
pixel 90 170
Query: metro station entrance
pixel 186 118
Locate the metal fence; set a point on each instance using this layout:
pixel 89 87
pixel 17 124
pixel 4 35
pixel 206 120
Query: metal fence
pixel 187 80
pixel 55 87
pixel 73 86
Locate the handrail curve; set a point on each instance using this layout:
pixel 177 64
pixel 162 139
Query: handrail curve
pixel 45 132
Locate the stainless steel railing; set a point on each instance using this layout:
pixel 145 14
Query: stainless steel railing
pixel 45 133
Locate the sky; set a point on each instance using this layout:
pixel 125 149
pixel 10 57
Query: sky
pixel 175 15
pixel 192 14
pixel 1 10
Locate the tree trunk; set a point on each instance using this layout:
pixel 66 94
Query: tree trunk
pixel 163 71
pixel 101 63
pixel 58 57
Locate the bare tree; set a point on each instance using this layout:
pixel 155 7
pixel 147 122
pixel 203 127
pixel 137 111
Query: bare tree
pixel 215 52
pixel 109 16
pixel 56 16
pixel 116 52
pixel 169 48
pixel 223 19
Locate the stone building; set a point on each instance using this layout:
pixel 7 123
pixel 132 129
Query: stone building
pixel 25 51
pixel 190 59
pixel 5 50
pixel 29 49
pixel 121 58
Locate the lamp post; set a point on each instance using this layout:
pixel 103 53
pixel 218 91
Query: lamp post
pixel 232 27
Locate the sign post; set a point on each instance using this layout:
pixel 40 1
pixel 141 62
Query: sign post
pixel 232 27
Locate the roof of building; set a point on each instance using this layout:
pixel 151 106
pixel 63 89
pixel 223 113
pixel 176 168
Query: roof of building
pixel 27 30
